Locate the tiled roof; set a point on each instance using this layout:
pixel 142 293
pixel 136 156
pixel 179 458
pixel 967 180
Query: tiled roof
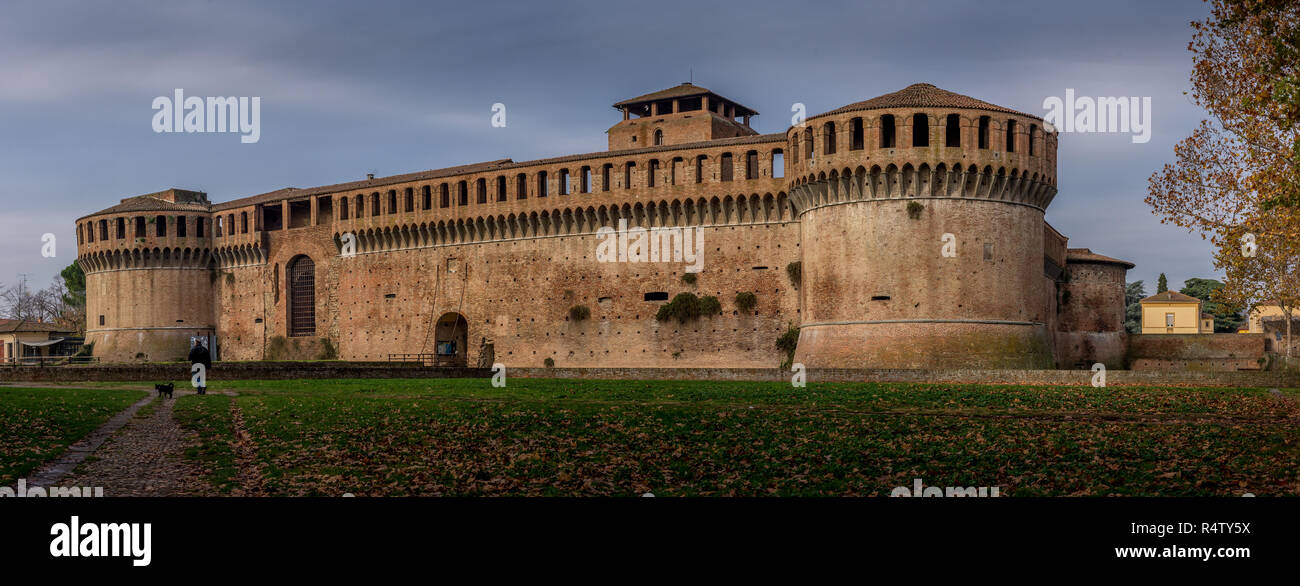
pixel 685 90
pixel 922 95
pixel 22 325
pixel 1086 255
pixel 1172 297
pixel 146 203
pixel 498 165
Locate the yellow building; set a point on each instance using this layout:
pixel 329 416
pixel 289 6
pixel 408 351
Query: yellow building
pixel 1261 314
pixel 24 339
pixel 1172 312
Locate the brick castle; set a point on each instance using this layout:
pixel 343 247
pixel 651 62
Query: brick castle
pixel 904 231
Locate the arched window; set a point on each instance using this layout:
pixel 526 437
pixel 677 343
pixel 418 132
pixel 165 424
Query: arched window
pixel 887 131
pixel 751 165
pixel 243 222
pixel 159 223
pixel 807 144
pixel 584 180
pixel 627 175
pixel 920 130
pixel 1011 136
pixel 952 131
pixel 659 137
pixel 343 208
pixel 462 193
pixel 374 204
pixel 855 130
pixel 651 171
pixel 408 200
pixel 301 276
pixel 778 162
pixel 541 184
pixel 1033 132
pixel 604 176
pixel 444 196
pixel 180 227
pixel 521 186
pixel 699 168
pixel 426 198
pixel 984 132
pixel 564 182
pixel 480 190
pixel 828 138
pixel 725 167
pixel 501 187
pixel 392 201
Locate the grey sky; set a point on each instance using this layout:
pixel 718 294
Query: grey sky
pixel 395 87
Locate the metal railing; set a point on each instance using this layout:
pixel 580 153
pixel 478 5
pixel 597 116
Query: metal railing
pixel 48 360
pixel 429 359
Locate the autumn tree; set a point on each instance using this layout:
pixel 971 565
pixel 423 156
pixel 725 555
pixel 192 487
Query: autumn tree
pixel 1236 179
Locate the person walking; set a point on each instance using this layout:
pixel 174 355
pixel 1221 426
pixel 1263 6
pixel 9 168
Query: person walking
pixel 200 355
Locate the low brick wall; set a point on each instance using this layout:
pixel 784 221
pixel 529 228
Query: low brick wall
pixel 346 370
pixel 235 371
pixel 1196 352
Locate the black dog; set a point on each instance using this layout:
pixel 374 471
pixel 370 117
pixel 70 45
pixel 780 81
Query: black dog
pixel 165 389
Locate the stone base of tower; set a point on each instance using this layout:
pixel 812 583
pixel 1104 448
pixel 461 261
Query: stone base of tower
pixel 926 345
pixel 143 344
pixel 1083 349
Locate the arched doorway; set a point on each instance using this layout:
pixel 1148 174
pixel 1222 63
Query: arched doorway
pixel 300 274
pixel 451 334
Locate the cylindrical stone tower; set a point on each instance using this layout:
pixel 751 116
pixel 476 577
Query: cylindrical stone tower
pixel 921 217
pixel 148 276
pixel 1092 311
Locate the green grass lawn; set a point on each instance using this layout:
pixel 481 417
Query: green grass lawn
pixel 39 424
pixel 564 437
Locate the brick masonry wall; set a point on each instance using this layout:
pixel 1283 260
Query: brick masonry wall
pixel 1196 351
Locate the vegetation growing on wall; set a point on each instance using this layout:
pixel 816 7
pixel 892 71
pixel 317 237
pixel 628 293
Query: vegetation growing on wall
pixel 787 343
pixel 794 270
pixel 687 306
pixel 914 209
pixel 549 362
pixel 746 301
pixel 579 312
pixel 688 278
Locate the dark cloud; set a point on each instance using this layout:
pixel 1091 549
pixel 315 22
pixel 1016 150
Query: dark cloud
pixel 390 87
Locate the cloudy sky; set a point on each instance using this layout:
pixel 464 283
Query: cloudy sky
pixel 350 88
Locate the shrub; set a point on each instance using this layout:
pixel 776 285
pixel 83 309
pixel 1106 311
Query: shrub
pixel 687 306
pixel 549 362
pixel 787 343
pixel 794 270
pixel 746 301
pixel 914 209
pixel 87 349
pixel 579 312
pixel 688 278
